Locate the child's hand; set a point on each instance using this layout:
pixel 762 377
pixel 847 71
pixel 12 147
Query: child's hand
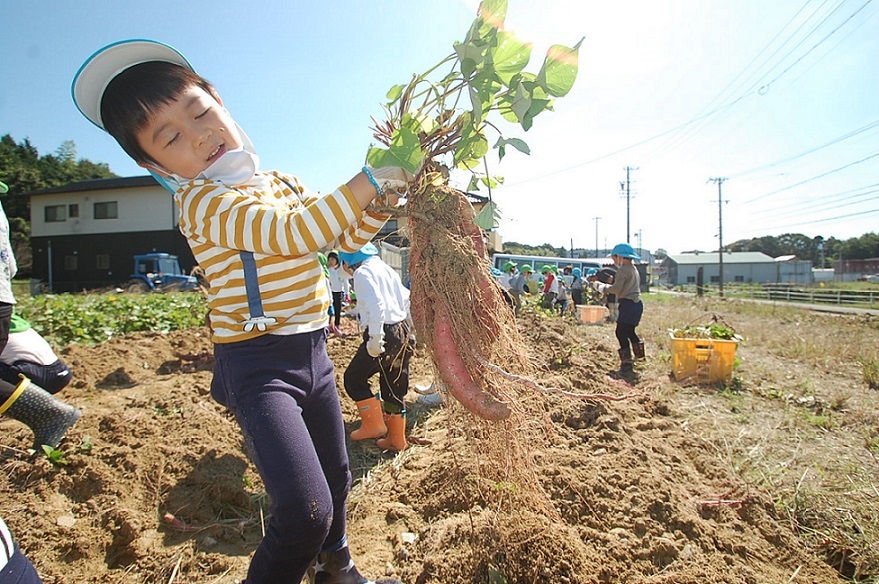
pixel 375 346
pixel 393 181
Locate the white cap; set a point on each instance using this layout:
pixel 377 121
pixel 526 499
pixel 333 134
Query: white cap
pixel 101 68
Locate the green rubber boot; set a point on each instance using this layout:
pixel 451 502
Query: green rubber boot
pixel 49 418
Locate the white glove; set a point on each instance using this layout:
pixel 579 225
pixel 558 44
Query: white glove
pixel 392 178
pixel 375 346
pixel 598 286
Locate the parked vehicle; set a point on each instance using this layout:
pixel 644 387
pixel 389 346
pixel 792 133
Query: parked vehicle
pixel 159 272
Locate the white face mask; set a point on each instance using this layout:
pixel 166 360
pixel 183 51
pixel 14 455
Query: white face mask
pixel 234 167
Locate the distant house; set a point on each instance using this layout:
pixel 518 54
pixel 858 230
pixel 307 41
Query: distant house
pixel 738 267
pixel 84 234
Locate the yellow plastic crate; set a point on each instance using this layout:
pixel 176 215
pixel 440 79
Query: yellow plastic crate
pixel 592 314
pixel 703 360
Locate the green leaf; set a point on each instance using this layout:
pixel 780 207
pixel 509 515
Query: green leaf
pixel 482 89
pixel 395 92
pixel 491 181
pixel 489 216
pixel 405 151
pixel 559 70
pixel 516 143
pixel 474 183
pixel 473 146
pixel 489 19
pixel 521 102
pixel 510 56
pixel 471 55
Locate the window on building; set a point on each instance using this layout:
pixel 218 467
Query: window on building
pixel 739 278
pixel 55 213
pixel 107 210
pixel 70 263
pixel 691 279
pixel 102 261
pixel 73 210
pixel 715 279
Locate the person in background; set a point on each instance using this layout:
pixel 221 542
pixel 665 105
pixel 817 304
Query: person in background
pixel 606 276
pixel 257 235
pixel 519 287
pixel 28 354
pixel 550 287
pixel 388 345
pixel 627 286
pixel 338 288
pixel 577 286
pixel 20 398
pixel 509 271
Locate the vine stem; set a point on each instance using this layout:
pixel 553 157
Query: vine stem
pixel 534 385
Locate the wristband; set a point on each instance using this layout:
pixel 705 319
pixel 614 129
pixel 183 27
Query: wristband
pixel 380 193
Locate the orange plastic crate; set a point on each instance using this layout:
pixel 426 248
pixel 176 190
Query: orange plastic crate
pixel 592 314
pixel 703 360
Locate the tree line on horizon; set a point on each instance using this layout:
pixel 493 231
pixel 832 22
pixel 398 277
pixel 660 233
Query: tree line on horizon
pixel 822 252
pixel 24 170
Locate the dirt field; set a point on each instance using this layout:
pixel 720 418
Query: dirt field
pixel 770 480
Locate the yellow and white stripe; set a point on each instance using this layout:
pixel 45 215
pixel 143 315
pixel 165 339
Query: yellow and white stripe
pixel 284 227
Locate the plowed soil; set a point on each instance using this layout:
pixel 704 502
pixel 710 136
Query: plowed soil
pixel 680 483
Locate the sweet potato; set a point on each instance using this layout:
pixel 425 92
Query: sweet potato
pixel 457 378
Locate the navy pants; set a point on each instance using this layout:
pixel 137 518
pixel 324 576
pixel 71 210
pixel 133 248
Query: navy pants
pixel 282 392
pixel 628 319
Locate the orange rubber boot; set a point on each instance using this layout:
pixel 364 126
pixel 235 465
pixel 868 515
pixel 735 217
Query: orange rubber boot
pixel 396 439
pixel 373 424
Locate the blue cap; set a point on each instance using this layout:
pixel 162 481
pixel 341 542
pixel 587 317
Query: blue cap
pixel 577 272
pixel 354 258
pixel 624 250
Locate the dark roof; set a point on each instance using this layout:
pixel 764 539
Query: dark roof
pixel 99 185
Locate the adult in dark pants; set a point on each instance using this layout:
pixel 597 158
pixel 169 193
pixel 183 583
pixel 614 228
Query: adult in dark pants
pixel 627 286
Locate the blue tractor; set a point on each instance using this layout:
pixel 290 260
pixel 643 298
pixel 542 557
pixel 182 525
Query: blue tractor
pixel 154 272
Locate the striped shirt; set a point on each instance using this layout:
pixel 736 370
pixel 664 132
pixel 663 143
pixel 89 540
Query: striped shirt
pixel 273 216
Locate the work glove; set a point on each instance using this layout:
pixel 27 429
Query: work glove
pixel 391 179
pixel 375 346
pixel 599 287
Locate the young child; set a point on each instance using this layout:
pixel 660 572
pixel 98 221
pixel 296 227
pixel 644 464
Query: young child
pixel 48 417
pixel 577 286
pixel 27 353
pixel 338 288
pixel 550 287
pixel 388 344
pixel 627 287
pixel 519 287
pixel 257 235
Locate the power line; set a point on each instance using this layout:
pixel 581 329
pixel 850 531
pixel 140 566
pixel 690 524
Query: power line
pixel 808 180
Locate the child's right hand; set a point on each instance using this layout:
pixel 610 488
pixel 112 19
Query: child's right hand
pixel 393 180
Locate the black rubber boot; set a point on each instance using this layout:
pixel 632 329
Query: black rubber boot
pixel 338 568
pixel 627 366
pixel 49 418
pixel 638 349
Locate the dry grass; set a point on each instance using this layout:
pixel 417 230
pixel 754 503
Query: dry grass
pixel 800 418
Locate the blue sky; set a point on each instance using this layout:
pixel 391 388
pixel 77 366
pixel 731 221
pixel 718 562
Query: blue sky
pixel 779 97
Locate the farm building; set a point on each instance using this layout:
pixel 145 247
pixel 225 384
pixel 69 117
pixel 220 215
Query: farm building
pixel 738 267
pixel 85 234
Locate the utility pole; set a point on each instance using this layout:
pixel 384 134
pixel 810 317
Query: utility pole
pixel 719 181
pixel 626 189
pixel 596 235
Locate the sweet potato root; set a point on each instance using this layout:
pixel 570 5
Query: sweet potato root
pixel 457 378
